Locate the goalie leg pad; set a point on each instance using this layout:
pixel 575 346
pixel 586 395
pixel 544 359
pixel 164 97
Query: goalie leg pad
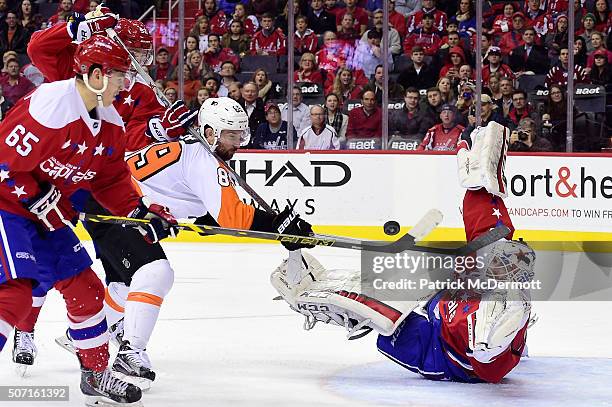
pixel 334 296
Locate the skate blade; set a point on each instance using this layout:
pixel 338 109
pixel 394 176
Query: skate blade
pixel 65 343
pixel 144 384
pixel 99 401
pixel 21 369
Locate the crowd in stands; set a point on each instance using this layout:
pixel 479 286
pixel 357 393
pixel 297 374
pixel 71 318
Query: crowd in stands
pixel 338 80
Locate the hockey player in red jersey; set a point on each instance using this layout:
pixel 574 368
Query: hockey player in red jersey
pixel 465 335
pixel 146 120
pixel 61 137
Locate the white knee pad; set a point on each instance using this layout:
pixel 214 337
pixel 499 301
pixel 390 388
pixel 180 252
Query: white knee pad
pixel 118 292
pixel 154 278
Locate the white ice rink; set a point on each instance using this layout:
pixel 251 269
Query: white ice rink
pixel 222 341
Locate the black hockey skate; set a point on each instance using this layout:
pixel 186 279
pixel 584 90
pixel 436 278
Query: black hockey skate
pixel 116 333
pixel 133 365
pixel 104 389
pixel 24 350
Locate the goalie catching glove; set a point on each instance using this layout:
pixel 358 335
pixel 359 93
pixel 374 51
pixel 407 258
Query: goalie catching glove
pixel 481 158
pixel 172 124
pixel 82 27
pixel 161 222
pixel 333 296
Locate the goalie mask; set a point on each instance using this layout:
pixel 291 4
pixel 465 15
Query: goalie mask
pixel 227 119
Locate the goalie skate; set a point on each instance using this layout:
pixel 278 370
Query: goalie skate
pixel 102 389
pixel 133 366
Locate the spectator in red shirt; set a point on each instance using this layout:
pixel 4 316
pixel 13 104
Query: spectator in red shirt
pixel 214 56
pixel 451 69
pixel 64 10
pixel 365 121
pixel 268 40
pixel 514 38
pixel 162 70
pixel 520 110
pixel 598 42
pixel 344 85
pixel 249 22
pixel 305 39
pixel 359 14
pixel 495 65
pixel 425 36
pixel 397 20
pixel 443 136
pixel 14 86
pixel 333 54
pixel 331 6
pixel 602 16
pixel 347 33
pixel 217 18
pixel 502 23
pixel 537 18
pixel 309 71
pixel 428 7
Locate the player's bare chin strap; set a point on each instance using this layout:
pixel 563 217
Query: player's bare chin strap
pixel 98 92
pixel 150 284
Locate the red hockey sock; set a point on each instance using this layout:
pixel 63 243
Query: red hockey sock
pixel 27 324
pixel 84 295
pixel 15 302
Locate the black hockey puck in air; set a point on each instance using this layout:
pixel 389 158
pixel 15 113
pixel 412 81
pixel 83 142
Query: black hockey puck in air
pixel 391 228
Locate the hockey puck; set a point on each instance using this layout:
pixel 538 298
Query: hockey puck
pixel 391 228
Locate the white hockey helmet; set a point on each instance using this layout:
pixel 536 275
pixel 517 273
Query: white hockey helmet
pixel 223 113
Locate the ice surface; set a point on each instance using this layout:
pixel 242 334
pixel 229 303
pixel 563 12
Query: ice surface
pixel 222 341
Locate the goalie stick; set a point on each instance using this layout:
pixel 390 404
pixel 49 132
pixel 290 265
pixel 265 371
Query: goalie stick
pixel 192 132
pixel 406 242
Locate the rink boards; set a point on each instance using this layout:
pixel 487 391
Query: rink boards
pixel 552 197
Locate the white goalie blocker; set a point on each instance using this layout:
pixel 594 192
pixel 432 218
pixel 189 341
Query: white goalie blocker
pixel 334 296
pixel 484 164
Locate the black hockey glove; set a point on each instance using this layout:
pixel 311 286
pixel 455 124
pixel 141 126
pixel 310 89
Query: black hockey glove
pixel 289 223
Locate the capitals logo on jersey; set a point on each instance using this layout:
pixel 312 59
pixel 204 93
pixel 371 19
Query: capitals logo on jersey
pixel 69 172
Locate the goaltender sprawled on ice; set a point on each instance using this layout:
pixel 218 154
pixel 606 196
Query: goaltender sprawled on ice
pixel 451 334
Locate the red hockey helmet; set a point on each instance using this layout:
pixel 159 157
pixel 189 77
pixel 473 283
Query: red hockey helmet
pixel 137 38
pixel 100 50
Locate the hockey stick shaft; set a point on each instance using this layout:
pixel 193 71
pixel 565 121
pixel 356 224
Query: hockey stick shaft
pixel 193 132
pixel 406 242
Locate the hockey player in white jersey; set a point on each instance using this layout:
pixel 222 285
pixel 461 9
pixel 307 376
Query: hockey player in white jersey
pixel 188 179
